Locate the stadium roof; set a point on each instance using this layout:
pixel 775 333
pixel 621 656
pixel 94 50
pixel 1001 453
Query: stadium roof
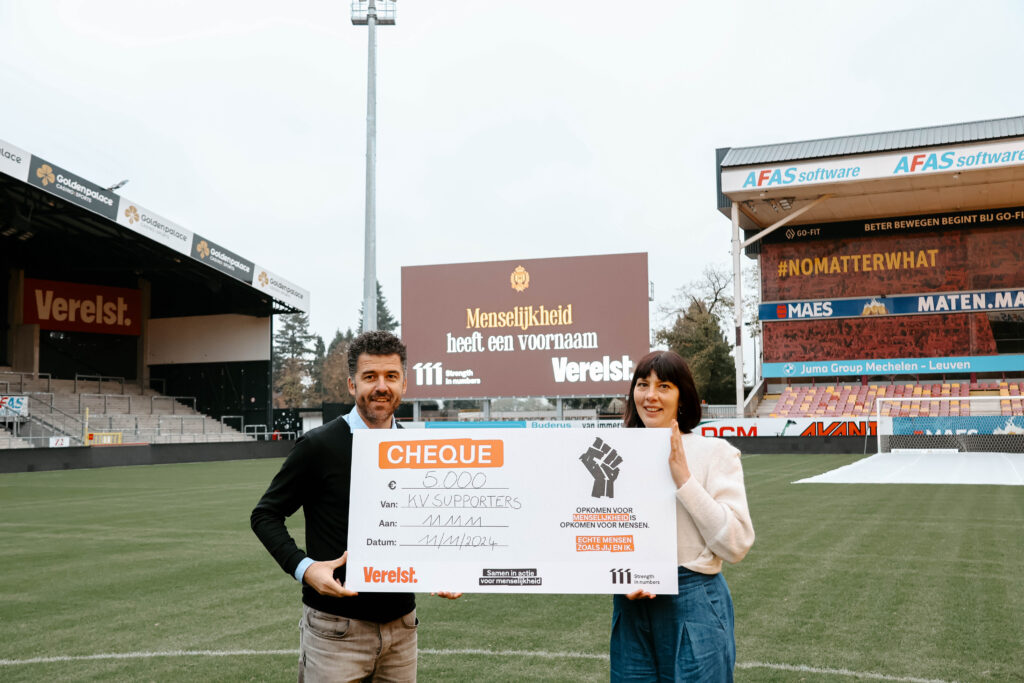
pixel 911 138
pixel 63 227
pixel 956 167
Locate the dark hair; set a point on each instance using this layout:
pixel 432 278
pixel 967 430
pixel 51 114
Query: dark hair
pixel 374 343
pixel 669 366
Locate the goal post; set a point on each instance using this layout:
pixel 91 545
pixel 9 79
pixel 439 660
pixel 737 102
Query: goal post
pixel 975 424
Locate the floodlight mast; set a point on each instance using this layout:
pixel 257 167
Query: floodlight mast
pixel 366 12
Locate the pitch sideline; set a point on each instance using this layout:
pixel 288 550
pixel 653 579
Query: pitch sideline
pixel 799 668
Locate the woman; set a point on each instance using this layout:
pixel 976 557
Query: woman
pixel 685 637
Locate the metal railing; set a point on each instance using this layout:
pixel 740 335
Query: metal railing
pixel 255 430
pixel 45 420
pixel 100 379
pixel 106 398
pixel 175 400
pixel 240 418
pixel 31 375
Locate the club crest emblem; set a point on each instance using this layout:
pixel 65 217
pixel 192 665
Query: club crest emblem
pixel 520 279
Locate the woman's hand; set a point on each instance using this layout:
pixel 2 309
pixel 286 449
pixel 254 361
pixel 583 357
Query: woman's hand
pixel 677 457
pixel 639 595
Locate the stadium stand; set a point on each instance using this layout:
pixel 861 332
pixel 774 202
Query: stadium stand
pixel 854 400
pixel 8 440
pixel 115 412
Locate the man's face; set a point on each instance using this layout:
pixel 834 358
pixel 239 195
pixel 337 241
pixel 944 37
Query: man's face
pixel 378 386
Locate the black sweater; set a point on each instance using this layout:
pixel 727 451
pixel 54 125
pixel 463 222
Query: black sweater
pixel 316 476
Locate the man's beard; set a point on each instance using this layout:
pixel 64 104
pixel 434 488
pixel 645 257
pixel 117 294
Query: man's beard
pixel 380 409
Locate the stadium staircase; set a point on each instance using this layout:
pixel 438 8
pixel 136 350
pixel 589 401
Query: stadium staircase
pixel 8 440
pixel 112 411
pixel 857 400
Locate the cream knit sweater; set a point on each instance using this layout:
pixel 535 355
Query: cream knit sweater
pixel 712 518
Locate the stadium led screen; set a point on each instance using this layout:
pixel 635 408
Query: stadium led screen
pixel 944 293
pixel 532 327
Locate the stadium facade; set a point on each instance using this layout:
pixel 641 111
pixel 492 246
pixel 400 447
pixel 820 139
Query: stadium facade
pixel 885 256
pixel 94 284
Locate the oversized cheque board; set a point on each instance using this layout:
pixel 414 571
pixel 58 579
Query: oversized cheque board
pixel 512 511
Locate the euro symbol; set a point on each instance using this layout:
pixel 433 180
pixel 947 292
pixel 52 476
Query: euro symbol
pixel 391 484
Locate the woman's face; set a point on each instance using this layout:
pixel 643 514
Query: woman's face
pixel 657 401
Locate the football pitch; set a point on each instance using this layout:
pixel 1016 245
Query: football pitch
pixel 152 573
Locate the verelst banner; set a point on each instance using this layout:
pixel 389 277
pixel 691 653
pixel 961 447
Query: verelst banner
pixel 75 307
pixel 533 327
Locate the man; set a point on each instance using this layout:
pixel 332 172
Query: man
pixel 343 636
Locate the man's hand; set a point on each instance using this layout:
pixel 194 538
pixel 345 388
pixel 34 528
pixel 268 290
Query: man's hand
pixel 602 461
pixel 639 595
pixel 448 595
pixel 320 577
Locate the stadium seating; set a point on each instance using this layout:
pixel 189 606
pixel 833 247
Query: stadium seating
pixel 8 440
pixel 852 400
pixel 118 412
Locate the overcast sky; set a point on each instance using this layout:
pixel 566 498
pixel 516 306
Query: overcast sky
pixel 507 129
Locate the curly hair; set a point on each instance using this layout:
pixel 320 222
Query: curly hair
pixel 374 343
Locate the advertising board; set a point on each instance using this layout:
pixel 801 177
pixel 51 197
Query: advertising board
pixel 918 162
pixel 74 307
pixel 13 406
pixel 888 264
pixel 532 327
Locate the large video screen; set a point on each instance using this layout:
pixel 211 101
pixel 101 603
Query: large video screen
pixel 532 327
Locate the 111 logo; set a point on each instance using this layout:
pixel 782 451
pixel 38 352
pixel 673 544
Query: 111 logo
pixel 427 373
pixel 622 575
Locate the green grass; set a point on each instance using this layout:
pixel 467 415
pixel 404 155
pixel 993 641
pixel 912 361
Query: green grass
pixel 905 581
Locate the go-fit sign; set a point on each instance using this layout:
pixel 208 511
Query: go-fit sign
pixel 73 307
pixel 534 327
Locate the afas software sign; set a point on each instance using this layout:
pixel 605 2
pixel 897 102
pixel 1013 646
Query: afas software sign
pixel 533 327
pixel 996 154
pixel 74 307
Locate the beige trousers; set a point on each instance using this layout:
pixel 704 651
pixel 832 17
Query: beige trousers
pixel 341 650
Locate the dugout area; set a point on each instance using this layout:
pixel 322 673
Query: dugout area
pixel 95 285
pixel 886 257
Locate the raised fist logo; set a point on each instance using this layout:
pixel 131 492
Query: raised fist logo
pixel 602 461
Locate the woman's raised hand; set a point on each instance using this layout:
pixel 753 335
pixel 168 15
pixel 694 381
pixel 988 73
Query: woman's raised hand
pixel 677 457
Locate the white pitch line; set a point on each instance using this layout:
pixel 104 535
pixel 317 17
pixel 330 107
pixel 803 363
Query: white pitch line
pixel 517 653
pixel 800 668
pixel 467 651
pixel 145 655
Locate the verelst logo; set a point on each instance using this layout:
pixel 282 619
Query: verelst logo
pixel 203 249
pixel 396 575
pixel 132 214
pixel 46 175
pixel 520 279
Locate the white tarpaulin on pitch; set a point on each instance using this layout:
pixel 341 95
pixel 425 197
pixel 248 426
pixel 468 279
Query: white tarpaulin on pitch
pixel 929 467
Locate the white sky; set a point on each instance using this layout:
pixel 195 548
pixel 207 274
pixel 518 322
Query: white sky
pixel 507 129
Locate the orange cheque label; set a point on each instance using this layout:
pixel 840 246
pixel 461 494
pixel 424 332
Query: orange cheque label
pixel 441 453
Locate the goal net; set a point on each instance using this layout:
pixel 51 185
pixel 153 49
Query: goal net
pixel 977 424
